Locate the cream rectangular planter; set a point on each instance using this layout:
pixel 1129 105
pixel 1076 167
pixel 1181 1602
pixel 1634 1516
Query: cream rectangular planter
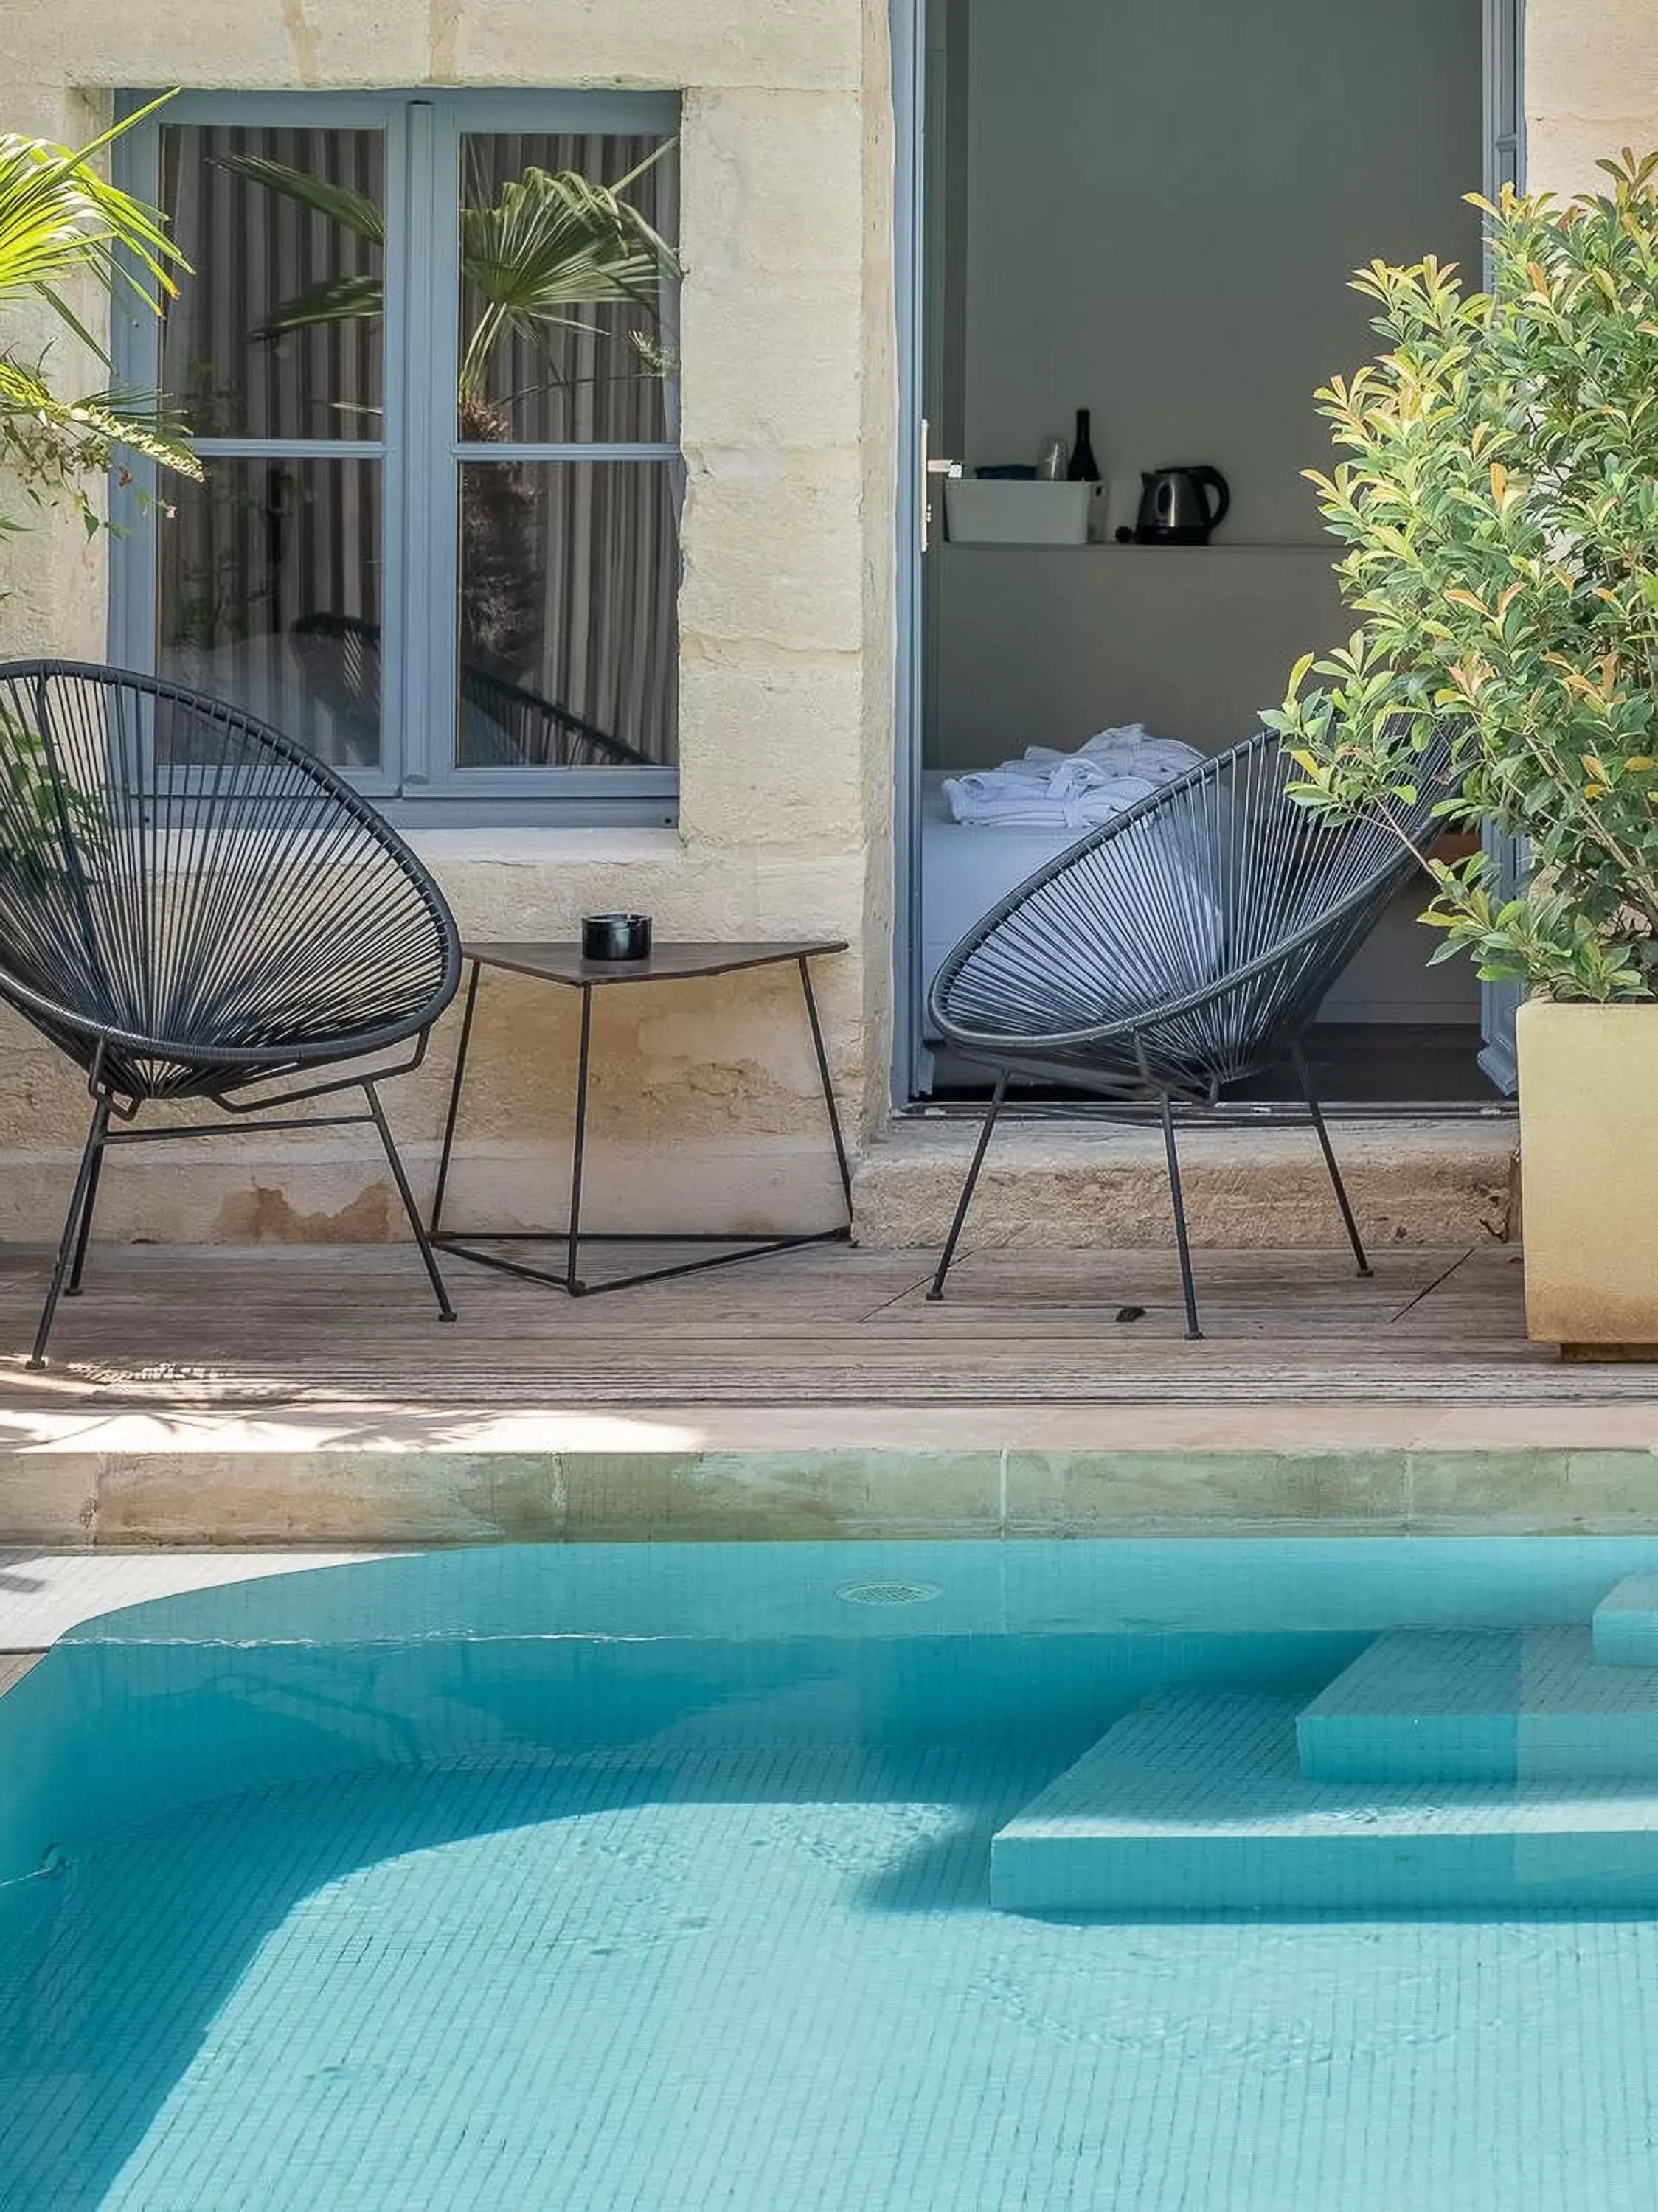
pixel 1588 1161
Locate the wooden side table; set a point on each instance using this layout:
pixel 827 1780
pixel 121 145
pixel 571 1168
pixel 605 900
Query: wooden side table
pixel 563 964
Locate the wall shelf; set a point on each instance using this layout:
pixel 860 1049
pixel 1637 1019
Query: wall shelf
pixel 1330 548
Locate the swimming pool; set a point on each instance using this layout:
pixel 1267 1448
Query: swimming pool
pixel 607 1877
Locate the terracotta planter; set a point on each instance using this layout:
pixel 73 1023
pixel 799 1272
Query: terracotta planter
pixel 1588 1162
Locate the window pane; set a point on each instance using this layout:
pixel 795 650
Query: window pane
pixel 269 596
pixel 570 573
pixel 568 289
pixel 277 333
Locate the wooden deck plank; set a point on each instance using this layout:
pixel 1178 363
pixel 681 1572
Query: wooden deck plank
pixel 210 1327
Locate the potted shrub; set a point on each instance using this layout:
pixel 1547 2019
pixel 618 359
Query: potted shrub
pixel 1498 494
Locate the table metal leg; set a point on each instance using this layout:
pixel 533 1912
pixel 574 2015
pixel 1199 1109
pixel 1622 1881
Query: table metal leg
pixel 434 1225
pixel 573 1282
pixel 464 1244
pixel 829 1107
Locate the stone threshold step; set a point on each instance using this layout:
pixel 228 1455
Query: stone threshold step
pixel 1482 1704
pixel 1101 1185
pixel 1197 1803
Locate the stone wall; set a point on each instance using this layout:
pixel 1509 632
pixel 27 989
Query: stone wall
pixel 1591 86
pixel 707 1105
pixel 706 1108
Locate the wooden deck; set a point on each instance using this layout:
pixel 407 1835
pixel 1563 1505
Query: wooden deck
pixel 245 1330
pixel 283 1395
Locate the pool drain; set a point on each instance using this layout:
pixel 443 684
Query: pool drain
pixel 888 1593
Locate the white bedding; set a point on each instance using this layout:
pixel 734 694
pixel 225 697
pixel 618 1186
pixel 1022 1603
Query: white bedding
pixel 1020 814
pixel 1044 789
pixel 966 869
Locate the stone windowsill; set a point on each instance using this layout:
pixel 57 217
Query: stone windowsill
pixel 549 843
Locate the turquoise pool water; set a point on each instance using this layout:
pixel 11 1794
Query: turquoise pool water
pixel 654 1880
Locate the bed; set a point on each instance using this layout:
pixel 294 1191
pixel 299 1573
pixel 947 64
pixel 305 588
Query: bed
pixel 966 869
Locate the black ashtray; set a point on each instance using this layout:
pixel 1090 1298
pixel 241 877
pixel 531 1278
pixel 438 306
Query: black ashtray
pixel 616 937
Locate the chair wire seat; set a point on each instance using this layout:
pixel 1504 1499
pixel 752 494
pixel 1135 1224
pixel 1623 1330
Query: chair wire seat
pixel 1179 949
pixel 193 905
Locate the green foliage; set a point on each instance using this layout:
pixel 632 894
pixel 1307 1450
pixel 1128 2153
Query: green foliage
pixel 553 242
pixel 41 809
pixel 1498 500
pixel 61 220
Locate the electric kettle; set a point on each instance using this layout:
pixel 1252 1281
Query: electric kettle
pixel 1175 506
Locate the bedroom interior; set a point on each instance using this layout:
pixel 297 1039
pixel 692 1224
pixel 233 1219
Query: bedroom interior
pixel 1120 218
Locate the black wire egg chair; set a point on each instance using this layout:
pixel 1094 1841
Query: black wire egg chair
pixel 193 906
pixel 1179 950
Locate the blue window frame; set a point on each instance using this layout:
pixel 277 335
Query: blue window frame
pixel 438 533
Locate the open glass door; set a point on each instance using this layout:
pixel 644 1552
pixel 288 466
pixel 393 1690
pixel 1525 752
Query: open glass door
pixel 910 81
pixel 1505 155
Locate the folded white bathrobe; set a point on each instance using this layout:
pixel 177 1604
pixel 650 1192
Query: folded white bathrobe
pixel 1047 789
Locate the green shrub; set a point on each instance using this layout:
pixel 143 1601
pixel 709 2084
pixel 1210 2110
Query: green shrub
pixel 1498 498
pixel 61 221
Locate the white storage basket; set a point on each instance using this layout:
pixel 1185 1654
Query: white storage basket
pixel 1017 511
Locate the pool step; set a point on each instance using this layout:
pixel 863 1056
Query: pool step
pixel 1482 1705
pixel 1197 1802
pixel 1626 1623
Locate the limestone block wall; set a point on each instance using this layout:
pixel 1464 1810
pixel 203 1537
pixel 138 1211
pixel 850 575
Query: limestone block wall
pixel 1591 86
pixel 706 1103
pixel 706 1109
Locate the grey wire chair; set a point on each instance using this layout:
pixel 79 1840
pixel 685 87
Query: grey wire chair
pixel 1178 950
pixel 506 727
pixel 192 906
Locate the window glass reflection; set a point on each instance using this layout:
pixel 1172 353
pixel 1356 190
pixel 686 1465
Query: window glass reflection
pixel 269 596
pixel 568 640
pixel 568 289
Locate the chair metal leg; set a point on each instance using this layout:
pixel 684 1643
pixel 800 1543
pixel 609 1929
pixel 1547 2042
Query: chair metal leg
pixel 966 1197
pixel 72 1288
pixel 445 1310
pixel 1328 1150
pixel 79 1205
pixel 1188 1287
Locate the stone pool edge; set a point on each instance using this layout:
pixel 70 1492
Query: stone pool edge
pixel 72 1497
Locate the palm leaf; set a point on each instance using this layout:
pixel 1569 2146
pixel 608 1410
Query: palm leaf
pixel 352 210
pixel 60 219
pixel 552 242
pixel 342 299
pixel 555 241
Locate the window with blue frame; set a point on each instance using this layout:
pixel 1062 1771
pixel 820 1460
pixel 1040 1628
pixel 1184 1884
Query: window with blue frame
pixel 428 349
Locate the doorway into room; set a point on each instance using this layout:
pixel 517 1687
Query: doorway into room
pixel 1130 230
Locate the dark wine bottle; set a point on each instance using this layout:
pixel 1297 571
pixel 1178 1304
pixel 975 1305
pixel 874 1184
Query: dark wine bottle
pixel 1084 469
